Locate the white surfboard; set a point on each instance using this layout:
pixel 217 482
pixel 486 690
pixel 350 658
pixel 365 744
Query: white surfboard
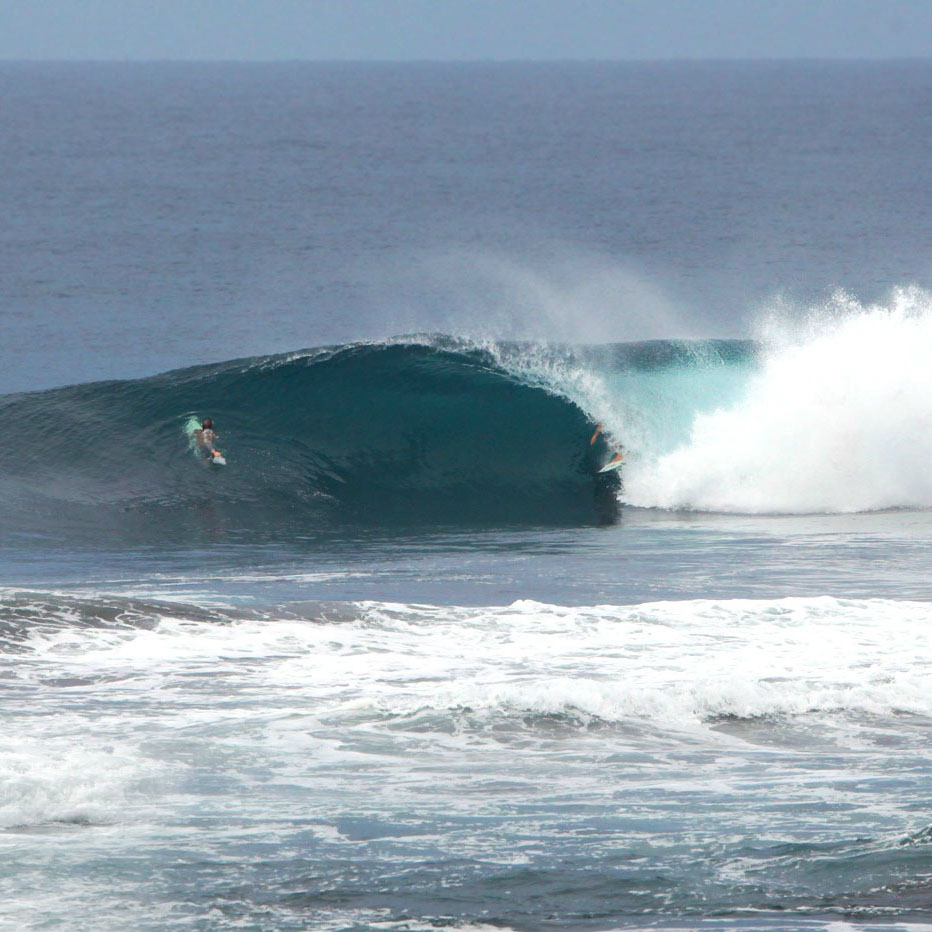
pixel 616 462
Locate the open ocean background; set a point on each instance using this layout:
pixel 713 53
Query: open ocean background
pixel 410 661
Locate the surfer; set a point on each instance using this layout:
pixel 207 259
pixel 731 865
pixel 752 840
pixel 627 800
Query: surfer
pixel 206 439
pixel 616 461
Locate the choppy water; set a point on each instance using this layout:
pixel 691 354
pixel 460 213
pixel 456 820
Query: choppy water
pixel 409 661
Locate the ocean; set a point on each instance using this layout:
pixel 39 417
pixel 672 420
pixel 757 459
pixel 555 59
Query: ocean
pixel 410 660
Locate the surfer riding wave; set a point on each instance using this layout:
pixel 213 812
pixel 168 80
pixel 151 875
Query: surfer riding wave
pixel 617 461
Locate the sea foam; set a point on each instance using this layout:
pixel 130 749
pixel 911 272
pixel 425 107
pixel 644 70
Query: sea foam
pixel 673 664
pixel 838 419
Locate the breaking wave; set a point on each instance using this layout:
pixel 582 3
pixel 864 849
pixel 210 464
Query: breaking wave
pixel 831 416
pixel 836 418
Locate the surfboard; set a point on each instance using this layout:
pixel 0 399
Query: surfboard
pixel 616 462
pixel 218 459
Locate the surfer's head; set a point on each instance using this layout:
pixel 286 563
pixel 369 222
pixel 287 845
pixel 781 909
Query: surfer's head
pixel 207 423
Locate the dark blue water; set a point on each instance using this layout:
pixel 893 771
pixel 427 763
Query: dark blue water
pixel 165 215
pixel 410 660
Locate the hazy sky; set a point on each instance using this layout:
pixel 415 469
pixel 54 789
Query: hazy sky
pixel 463 29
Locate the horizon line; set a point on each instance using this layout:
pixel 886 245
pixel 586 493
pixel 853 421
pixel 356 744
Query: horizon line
pixel 681 59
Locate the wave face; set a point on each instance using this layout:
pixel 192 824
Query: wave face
pixel 370 434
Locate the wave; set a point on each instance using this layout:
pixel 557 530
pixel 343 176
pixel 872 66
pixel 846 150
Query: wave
pixel 373 434
pixel 831 416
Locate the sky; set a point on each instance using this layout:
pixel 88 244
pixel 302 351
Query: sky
pixel 455 30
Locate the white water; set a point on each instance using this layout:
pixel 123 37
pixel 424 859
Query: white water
pixel 377 736
pixel 112 697
pixel 838 419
